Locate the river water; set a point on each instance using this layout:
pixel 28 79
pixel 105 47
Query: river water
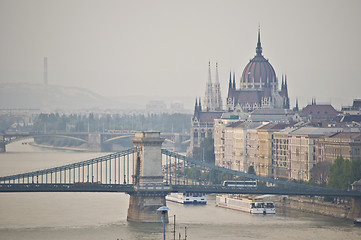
pixel 95 216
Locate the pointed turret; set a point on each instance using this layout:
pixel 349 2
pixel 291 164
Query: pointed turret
pixel 234 80
pixel 209 73
pixel 296 108
pixel 196 111
pixel 200 105
pixel 230 88
pixel 230 80
pixel 209 96
pixel 217 78
pixel 217 97
pixel 283 83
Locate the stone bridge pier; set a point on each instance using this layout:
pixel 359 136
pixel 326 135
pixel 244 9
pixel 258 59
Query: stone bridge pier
pixel 143 204
pixel 94 142
pixel 355 202
pixel 2 146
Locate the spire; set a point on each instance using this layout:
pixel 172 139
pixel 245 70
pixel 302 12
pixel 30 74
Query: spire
pixel 313 101
pixel 234 80
pixel 296 108
pixel 230 80
pixel 209 95
pixel 283 83
pixel 196 107
pixel 217 98
pixel 259 47
pixel 209 72
pixel 200 105
pixel 217 79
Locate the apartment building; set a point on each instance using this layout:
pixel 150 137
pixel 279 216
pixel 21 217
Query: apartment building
pixel 345 144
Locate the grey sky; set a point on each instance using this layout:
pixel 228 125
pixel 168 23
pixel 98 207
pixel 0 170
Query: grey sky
pixel 162 48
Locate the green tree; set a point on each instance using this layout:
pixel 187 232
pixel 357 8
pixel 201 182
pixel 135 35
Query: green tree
pixel 344 172
pixel 208 150
pixel 356 169
pixel 251 170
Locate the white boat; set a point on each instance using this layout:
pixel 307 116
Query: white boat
pixel 245 205
pixel 269 207
pixel 357 221
pixel 187 198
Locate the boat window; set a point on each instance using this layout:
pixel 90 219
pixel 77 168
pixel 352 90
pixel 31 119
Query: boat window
pixel 269 205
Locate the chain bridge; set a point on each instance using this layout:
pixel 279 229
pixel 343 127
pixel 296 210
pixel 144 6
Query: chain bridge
pixel 148 173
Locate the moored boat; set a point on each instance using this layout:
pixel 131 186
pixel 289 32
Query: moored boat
pixel 188 198
pixel 245 205
pixel 357 221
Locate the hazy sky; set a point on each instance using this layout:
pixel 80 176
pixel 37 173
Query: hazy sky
pixel 162 48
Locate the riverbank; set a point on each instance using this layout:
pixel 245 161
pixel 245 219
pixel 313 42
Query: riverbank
pixel 312 205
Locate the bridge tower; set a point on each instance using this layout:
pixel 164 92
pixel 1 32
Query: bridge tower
pixel 143 204
pixel 2 146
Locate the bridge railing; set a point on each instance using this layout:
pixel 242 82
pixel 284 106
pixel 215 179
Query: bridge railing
pixel 153 187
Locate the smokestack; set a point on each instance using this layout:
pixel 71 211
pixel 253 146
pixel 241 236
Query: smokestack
pixel 45 97
pixel 45 71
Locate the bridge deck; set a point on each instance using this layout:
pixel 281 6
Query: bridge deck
pixel 208 189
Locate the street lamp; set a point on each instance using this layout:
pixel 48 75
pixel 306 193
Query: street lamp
pixel 163 210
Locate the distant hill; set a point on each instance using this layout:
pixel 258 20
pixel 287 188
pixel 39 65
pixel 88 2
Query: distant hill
pixel 25 95
pixel 61 98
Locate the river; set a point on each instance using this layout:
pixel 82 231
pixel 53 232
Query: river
pixel 95 216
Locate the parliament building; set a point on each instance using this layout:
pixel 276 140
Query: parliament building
pixel 258 89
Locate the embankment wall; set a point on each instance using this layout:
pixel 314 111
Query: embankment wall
pixel 313 206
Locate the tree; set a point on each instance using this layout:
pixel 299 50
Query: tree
pixel 251 170
pixel 208 150
pixel 356 169
pixel 321 172
pixel 344 172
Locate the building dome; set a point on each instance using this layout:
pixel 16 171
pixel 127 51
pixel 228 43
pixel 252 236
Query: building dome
pixel 258 73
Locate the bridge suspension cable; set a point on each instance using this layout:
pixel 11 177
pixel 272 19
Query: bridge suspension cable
pixel 115 168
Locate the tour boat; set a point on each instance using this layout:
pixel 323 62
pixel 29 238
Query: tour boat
pixel 187 198
pixel 357 221
pixel 245 205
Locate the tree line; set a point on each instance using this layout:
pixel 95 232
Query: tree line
pixel 176 122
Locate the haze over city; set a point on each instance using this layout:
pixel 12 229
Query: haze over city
pixel 165 119
pixel 162 48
